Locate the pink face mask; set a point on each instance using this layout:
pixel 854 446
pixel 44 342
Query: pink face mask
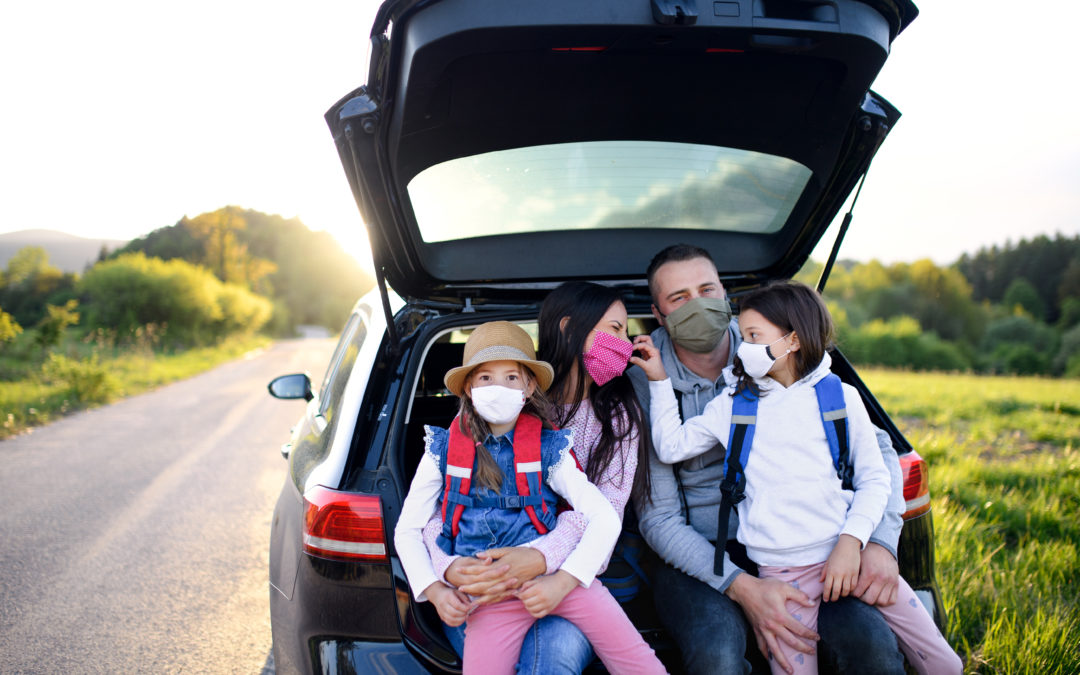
pixel 607 358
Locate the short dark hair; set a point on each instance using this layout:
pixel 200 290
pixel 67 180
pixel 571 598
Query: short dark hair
pixel 674 253
pixel 793 306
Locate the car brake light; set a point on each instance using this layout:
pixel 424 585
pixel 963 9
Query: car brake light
pixel 344 525
pixel 578 49
pixel 916 485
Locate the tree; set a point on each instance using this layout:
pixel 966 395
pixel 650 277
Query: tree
pixel 1022 294
pixel 51 328
pixel 28 263
pixel 1042 261
pixel 9 327
pixel 224 253
pixel 30 283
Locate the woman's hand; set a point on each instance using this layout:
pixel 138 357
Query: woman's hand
pixel 540 596
pixel 764 601
pixel 649 361
pixel 492 575
pixel 453 606
pixel 841 570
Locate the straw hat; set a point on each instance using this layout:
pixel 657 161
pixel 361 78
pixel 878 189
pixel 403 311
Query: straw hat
pixel 498 341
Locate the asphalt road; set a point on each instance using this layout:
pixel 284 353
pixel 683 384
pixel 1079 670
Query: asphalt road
pixel 133 538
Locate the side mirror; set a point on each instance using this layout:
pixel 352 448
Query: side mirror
pixel 297 385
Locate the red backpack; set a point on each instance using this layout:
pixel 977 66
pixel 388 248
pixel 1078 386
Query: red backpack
pixel 460 456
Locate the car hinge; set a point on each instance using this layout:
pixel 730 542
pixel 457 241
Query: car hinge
pixel 468 306
pixel 362 108
pixel 678 12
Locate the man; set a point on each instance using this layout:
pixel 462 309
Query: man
pixel 710 616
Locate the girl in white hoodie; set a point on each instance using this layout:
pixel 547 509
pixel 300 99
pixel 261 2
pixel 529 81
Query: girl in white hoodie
pixel 797 521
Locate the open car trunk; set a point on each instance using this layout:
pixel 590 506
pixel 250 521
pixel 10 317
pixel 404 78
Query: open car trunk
pixel 511 146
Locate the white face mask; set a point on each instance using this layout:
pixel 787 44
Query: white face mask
pixel 497 404
pixel 757 359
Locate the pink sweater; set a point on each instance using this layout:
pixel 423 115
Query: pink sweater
pixel 615 483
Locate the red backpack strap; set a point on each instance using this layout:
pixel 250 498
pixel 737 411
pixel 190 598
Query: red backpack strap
pixel 460 456
pixel 528 468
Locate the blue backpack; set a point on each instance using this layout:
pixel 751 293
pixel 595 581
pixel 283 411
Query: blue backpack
pixel 830 396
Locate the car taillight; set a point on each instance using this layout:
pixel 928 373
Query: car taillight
pixel 344 525
pixel 916 485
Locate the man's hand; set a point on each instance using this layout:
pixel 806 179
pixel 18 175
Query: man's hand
pixel 841 570
pixel 763 602
pixel 878 576
pixel 492 575
pixel 540 596
pixel 453 606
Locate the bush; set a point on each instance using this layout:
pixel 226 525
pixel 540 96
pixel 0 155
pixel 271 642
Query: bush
pixel 87 380
pixel 1069 350
pixel 132 291
pixel 900 343
pixel 1019 359
pixel 1070 313
pixel 1018 330
pixel 1072 368
pixel 241 310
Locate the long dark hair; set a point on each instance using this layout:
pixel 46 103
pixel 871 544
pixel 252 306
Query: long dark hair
pixel 584 304
pixel 488 474
pixel 790 306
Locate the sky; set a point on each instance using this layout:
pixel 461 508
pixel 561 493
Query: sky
pixel 120 117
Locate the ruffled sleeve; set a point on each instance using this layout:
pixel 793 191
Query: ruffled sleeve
pixel 436 440
pixel 557 444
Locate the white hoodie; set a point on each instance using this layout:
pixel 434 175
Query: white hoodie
pixel 795 508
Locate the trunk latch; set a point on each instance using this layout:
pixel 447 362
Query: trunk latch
pixel 678 12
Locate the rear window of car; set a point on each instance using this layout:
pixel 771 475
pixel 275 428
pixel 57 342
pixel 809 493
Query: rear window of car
pixel 606 184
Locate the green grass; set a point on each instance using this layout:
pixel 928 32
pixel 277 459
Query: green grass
pixel 1004 456
pixel 86 375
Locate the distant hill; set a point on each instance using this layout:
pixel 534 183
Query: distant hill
pixel 67 251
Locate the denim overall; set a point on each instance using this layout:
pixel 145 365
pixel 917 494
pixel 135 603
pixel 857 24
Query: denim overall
pixel 483 528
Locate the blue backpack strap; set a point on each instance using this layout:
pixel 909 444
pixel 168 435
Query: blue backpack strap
pixel 733 487
pixel 830 396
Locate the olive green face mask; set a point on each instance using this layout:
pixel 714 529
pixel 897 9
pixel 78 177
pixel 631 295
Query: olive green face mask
pixel 698 325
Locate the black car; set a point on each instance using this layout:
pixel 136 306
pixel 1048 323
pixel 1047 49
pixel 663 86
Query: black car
pixel 500 148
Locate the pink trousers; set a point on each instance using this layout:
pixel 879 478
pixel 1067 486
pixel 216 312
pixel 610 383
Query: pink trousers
pixel 494 633
pixel 920 640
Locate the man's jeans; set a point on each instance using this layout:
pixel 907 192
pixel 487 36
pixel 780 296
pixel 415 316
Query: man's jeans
pixel 714 636
pixel 552 646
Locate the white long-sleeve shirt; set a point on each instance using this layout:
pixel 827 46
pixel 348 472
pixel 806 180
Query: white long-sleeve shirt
pixel 425 492
pixel 795 508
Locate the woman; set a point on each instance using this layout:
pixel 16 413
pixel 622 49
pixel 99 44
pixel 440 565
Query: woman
pixel 583 335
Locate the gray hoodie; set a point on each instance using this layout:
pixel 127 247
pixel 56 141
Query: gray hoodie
pixel 662 521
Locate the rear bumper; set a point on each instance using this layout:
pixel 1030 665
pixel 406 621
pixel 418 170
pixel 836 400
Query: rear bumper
pixel 916 561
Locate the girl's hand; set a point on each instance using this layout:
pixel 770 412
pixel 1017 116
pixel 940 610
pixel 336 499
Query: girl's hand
pixel 841 570
pixel 453 605
pixel 543 594
pixel 485 581
pixel 649 361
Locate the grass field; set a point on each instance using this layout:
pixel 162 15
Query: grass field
pixel 87 376
pixel 1004 457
